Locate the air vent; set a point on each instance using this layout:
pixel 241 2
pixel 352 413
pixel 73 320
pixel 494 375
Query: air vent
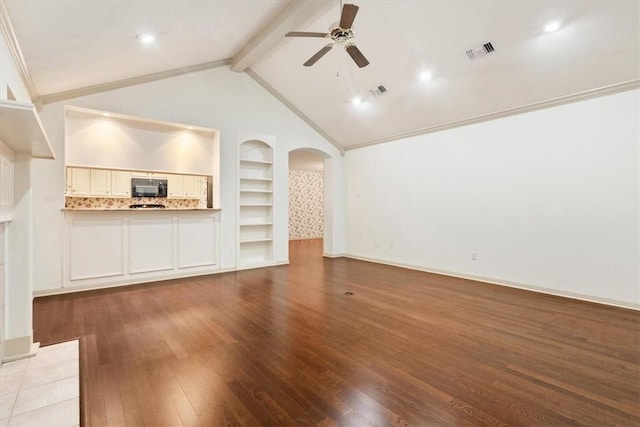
pixel 377 91
pixel 480 51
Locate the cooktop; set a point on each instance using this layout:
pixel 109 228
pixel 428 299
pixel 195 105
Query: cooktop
pixel 147 206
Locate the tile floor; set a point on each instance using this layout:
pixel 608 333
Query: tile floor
pixel 43 390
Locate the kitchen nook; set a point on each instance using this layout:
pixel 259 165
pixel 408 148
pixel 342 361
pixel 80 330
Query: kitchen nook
pixel 141 199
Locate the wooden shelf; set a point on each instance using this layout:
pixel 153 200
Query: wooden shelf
pixel 257 224
pixel 256 191
pixel 22 131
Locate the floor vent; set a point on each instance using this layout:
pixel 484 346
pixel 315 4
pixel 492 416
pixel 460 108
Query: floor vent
pixel 480 51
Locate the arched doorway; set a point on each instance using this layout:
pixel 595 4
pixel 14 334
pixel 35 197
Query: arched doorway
pixel 306 203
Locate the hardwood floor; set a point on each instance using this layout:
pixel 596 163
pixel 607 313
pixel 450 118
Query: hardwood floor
pixel 286 346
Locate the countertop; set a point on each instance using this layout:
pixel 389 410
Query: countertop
pixel 140 210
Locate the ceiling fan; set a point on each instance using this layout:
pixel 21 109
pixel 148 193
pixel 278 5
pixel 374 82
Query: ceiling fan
pixel 340 35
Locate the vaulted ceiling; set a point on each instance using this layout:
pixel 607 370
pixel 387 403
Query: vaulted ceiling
pixel 416 49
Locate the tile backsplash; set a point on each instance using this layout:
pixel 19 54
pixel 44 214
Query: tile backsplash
pixel 112 203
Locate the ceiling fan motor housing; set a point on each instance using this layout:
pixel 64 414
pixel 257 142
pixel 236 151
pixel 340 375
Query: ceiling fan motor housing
pixel 341 36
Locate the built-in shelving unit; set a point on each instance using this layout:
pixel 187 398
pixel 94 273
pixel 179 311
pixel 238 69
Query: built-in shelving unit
pixel 255 234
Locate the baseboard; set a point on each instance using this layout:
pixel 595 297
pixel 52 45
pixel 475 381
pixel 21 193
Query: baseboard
pixel 19 348
pixel 72 289
pixel 523 286
pixel 94 287
pixel 328 255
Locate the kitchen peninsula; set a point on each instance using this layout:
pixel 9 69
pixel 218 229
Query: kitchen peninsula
pixel 141 200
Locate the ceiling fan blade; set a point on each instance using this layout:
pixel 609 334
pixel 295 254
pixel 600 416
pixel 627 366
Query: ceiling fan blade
pixel 304 34
pixel 348 15
pixel 357 56
pixel 322 52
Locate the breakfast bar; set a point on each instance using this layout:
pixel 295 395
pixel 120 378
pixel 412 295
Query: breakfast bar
pixel 108 247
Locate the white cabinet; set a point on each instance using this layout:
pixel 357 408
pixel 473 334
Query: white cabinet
pixel 255 236
pixel 6 188
pixel 152 175
pixel 175 187
pixel 120 184
pixel 100 183
pixel 88 182
pixel 85 182
pixel 78 182
pixel 183 187
pixel 191 187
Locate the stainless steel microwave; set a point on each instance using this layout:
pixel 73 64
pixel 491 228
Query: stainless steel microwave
pixel 143 187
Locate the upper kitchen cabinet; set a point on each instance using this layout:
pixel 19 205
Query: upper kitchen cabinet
pixel 22 131
pixel 183 187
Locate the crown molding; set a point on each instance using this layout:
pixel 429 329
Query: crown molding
pixel 554 102
pixel 132 81
pixel 294 109
pixel 10 36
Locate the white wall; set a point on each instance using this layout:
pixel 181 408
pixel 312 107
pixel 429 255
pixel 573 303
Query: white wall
pixel 548 199
pixel 216 98
pixel 106 142
pixel 9 76
pixel 17 321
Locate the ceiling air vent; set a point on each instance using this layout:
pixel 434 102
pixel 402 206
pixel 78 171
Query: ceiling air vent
pixel 480 51
pixel 377 91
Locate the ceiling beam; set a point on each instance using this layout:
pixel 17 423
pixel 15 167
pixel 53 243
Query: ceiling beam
pixel 295 15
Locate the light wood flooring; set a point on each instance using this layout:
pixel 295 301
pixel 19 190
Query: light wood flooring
pixel 285 346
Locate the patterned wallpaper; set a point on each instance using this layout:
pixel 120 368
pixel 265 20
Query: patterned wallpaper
pixel 305 204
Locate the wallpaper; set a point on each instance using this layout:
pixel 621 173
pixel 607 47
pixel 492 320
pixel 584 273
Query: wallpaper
pixel 305 204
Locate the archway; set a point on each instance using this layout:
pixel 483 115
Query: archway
pixel 308 205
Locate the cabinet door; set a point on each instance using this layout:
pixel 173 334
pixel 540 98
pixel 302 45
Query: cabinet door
pixel 79 182
pixel 100 183
pixel 6 189
pixel 175 188
pixel 191 187
pixel 120 184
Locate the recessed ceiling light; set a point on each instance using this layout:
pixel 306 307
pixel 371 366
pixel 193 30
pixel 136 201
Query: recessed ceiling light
pixel 146 38
pixel 425 76
pixel 356 101
pixel 106 114
pixel 552 26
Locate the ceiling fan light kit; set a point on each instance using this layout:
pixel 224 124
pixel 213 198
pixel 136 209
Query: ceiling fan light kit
pixel 341 35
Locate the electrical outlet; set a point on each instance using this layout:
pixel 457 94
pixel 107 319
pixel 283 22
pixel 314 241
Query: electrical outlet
pixel 474 256
pixel 230 251
pixel 391 245
pixel 375 243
